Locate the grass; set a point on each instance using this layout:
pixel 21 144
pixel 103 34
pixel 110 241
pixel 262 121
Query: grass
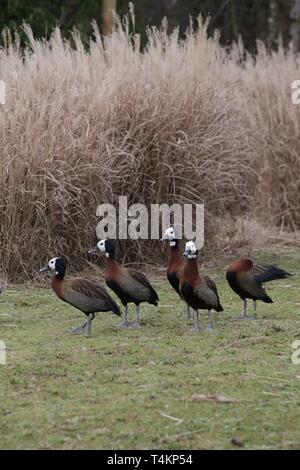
pixel 122 389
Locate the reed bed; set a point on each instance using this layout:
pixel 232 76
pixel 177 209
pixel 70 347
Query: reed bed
pixel 182 121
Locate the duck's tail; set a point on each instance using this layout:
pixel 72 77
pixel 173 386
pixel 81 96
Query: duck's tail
pixel 271 273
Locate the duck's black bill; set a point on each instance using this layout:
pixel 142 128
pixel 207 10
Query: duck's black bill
pixel 44 270
pixel 93 250
pixel 185 253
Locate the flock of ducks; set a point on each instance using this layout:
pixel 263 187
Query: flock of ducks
pixel 131 286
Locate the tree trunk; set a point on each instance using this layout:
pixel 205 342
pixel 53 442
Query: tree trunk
pixel 171 10
pixel 295 25
pixel 109 9
pixel 273 23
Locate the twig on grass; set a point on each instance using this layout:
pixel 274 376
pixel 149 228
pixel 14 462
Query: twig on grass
pixel 253 338
pixel 254 376
pixel 179 435
pixel 178 420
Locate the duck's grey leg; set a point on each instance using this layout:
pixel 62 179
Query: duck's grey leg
pixel 89 322
pixel 190 312
pixel 79 329
pixel 244 315
pixel 209 325
pixel 124 323
pixel 196 328
pixel 255 308
pixel 136 323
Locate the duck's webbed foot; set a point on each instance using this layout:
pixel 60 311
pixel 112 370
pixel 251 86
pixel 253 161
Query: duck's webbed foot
pixel 243 315
pixel 133 325
pixel 196 327
pixel 209 324
pixel 79 329
pixel 249 317
pixel 124 323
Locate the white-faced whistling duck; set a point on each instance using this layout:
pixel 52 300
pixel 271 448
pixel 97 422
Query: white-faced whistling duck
pixel 176 262
pixel 198 290
pixel 82 293
pixel 246 279
pixel 129 285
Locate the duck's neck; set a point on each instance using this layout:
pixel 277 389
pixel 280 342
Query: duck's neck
pixel 110 255
pixel 174 245
pixel 60 274
pixel 111 264
pixel 191 267
pixel 57 281
pixel 174 254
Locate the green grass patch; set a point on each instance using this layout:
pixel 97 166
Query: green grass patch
pixel 134 389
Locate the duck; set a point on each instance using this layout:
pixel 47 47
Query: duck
pixel 130 285
pixel 176 263
pixel 82 293
pixel 198 290
pixel 246 278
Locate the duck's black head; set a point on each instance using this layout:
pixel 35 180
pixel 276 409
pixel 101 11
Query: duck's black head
pixel 58 265
pixel 110 248
pixel 105 246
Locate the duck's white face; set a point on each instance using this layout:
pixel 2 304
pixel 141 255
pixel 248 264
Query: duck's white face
pixel 52 264
pixel 190 250
pixel 170 234
pixel 101 246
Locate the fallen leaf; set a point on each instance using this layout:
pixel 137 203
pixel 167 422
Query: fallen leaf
pixel 213 398
pixel 237 442
pixel 276 328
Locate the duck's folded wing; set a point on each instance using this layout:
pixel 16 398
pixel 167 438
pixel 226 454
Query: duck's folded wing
pixel 267 272
pixel 88 295
pixel 206 290
pixel 247 282
pixel 139 277
pixel 211 284
pixel 135 284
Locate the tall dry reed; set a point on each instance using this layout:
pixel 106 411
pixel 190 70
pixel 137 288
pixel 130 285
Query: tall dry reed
pixel 274 123
pixel 182 121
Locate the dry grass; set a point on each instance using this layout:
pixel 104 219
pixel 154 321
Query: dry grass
pixel 182 121
pixel 274 123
